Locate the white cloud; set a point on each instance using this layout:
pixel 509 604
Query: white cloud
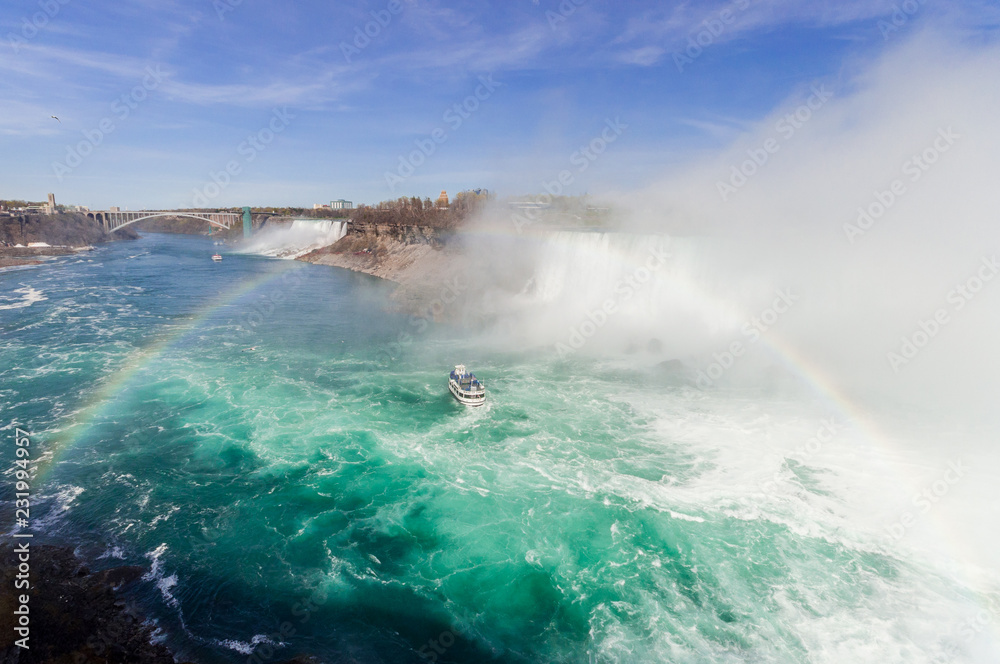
pixel 670 29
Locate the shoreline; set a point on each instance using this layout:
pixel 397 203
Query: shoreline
pixel 17 262
pixel 76 614
pixel 83 615
pixel 27 256
pixel 416 264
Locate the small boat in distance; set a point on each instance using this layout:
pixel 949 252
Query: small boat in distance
pixel 216 257
pixel 466 387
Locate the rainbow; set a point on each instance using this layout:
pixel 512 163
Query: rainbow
pixel 99 401
pixel 806 371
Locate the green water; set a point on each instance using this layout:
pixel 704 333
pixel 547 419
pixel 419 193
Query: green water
pixel 298 479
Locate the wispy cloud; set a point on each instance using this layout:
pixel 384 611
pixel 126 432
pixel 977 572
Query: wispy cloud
pixel 75 69
pixel 27 118
pixel 671 28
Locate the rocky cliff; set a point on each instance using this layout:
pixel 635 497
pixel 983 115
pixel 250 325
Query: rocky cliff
pixel 382 250
pixel 63 231
pixel 71 229
pixel 75 615
pixel 418 258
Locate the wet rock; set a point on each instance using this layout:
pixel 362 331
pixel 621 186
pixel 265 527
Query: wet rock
pixel 75 615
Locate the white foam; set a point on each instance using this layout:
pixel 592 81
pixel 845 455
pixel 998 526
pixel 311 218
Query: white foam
pixel 685 517
pixel 115 552
pixel 289 242
pixel 62 503
pixel 28 297
pixel 245 648
pixel 156 573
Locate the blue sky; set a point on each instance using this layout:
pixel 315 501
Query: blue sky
pixel 156 98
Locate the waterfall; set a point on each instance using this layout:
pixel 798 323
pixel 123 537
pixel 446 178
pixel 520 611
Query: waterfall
pixel 632 291
pixel 301 237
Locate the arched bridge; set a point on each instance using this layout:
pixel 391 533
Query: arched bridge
pixel 112 220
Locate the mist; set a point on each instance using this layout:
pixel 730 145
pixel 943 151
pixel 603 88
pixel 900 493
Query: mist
pixel 859 219
pixel 293 240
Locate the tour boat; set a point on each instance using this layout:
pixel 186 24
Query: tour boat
pixel 466 387
pixel 216 257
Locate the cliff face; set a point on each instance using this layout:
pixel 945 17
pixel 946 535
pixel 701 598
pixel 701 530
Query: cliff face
pixel 72 229
pixel 418 258
pixel 395 253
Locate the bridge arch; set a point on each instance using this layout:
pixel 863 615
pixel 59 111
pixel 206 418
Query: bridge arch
pixel 189 215
pixel 115 219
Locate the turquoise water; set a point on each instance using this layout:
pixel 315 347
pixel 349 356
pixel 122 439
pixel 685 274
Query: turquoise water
pixel 281 450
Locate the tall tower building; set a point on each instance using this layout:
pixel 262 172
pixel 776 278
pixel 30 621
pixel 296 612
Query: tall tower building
pixel 442 200
pixel 52 204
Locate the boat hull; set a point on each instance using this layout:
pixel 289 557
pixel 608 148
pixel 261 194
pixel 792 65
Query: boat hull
pixel 465 399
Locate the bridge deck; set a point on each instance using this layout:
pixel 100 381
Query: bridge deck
pixel 113 220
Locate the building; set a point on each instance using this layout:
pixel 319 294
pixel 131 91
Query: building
pixel 52 204
pixel 528 205
pixel 341 204
pixel 114 208
pixel 442 200
pixel 320 206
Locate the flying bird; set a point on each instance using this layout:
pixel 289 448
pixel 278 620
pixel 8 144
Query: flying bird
pixel 56 119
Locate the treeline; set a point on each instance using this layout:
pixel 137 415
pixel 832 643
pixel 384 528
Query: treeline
pixel 11 204
pixel 415 211
pixel 309 213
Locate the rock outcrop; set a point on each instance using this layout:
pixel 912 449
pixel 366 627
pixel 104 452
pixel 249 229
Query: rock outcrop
pixel 75 614
pixel 69 229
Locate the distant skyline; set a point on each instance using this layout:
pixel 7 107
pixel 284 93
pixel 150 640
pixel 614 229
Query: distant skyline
pixel 176 103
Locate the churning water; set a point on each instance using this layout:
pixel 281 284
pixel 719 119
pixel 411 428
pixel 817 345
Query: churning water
pixel 239 429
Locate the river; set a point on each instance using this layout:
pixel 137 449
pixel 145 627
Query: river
pixel 281 451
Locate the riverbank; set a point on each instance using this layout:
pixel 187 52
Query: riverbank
pixel 17 262
pixel 79 615
pixel 418 259
pixel 59 234
pixel 23 256
pixel 76 615
pixel 67 229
